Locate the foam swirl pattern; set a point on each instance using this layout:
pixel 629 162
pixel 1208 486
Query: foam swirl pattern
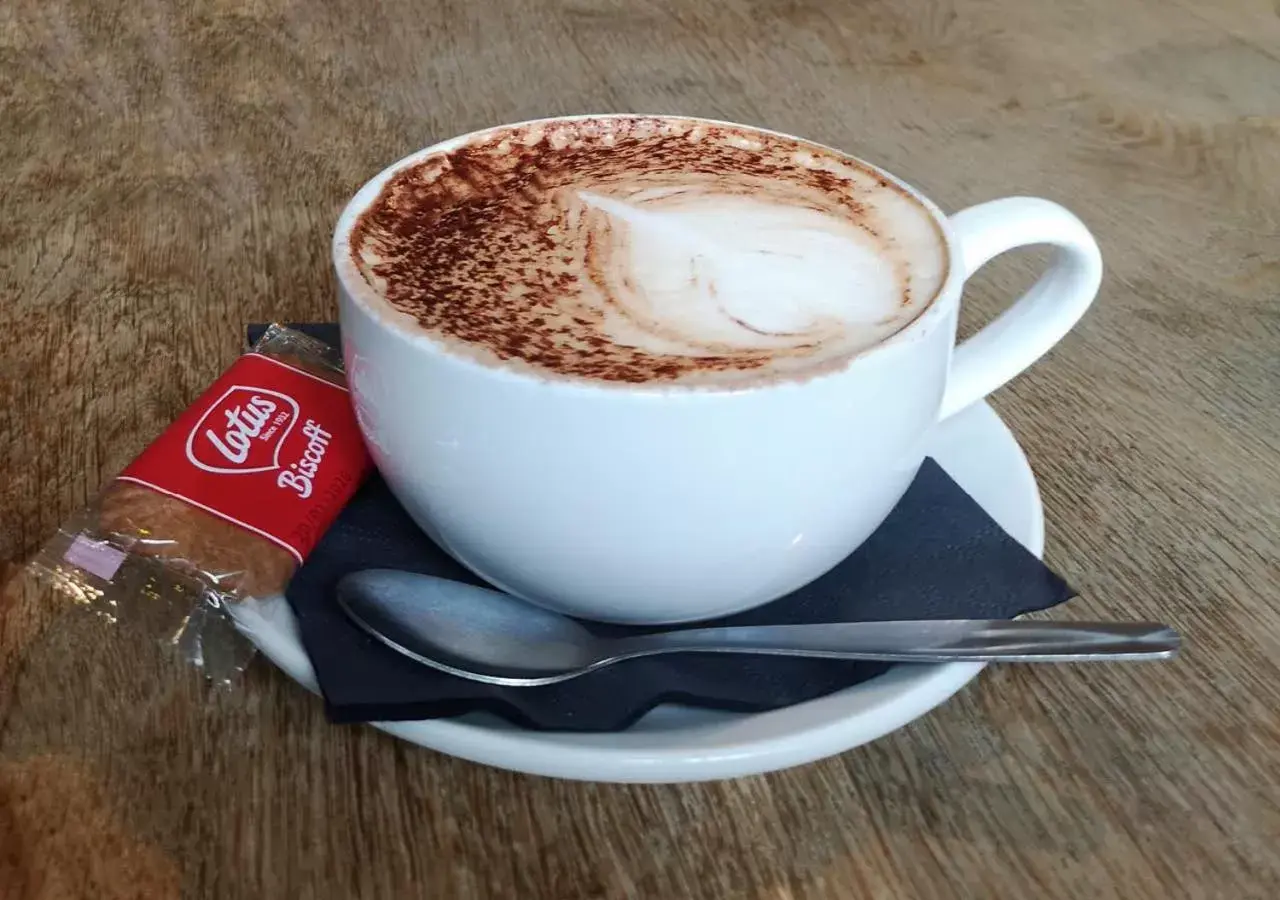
pixel 649 250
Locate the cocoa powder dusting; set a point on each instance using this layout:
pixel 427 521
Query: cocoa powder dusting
pixel 479 245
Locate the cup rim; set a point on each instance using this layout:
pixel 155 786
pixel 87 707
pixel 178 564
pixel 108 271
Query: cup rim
pixel 404 327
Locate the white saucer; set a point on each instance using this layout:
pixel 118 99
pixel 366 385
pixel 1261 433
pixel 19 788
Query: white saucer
pixel 685 744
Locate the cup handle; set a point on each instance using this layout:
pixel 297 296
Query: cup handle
pixel 1043 315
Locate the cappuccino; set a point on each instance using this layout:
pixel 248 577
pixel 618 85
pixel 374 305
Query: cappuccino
pixel 640 249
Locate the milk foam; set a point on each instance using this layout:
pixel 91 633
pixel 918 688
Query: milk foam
pixel 649 249
pixel 696 270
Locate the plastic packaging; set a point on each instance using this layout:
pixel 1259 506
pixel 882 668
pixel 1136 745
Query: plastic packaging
pixel 222 508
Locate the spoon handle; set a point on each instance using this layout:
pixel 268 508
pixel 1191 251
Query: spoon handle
pixel 955 640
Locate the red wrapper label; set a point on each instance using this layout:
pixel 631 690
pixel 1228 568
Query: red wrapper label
pixel 269 447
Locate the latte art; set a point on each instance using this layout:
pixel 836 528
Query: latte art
pixel 689 272
pixel 638 250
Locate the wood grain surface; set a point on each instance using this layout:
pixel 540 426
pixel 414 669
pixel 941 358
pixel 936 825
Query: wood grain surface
pixel 171 171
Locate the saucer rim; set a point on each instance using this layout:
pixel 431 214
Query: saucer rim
pixel 708 747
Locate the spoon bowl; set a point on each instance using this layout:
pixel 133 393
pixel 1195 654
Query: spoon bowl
pixel 464 629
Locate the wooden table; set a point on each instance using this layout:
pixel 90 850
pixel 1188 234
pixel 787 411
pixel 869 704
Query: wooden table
pixel 172 171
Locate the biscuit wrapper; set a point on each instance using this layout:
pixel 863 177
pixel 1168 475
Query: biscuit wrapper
pixel 219 511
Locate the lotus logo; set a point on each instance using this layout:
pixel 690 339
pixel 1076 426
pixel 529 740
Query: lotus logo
pixel 242 431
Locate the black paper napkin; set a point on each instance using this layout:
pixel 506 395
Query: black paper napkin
pixel 937 556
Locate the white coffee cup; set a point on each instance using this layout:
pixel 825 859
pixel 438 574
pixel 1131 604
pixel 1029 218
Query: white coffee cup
pixel 658 503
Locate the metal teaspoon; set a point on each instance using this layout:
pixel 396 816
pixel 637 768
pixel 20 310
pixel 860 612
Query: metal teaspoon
pixel 493 637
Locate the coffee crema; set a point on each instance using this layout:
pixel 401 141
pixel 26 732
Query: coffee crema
pixel 643 249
